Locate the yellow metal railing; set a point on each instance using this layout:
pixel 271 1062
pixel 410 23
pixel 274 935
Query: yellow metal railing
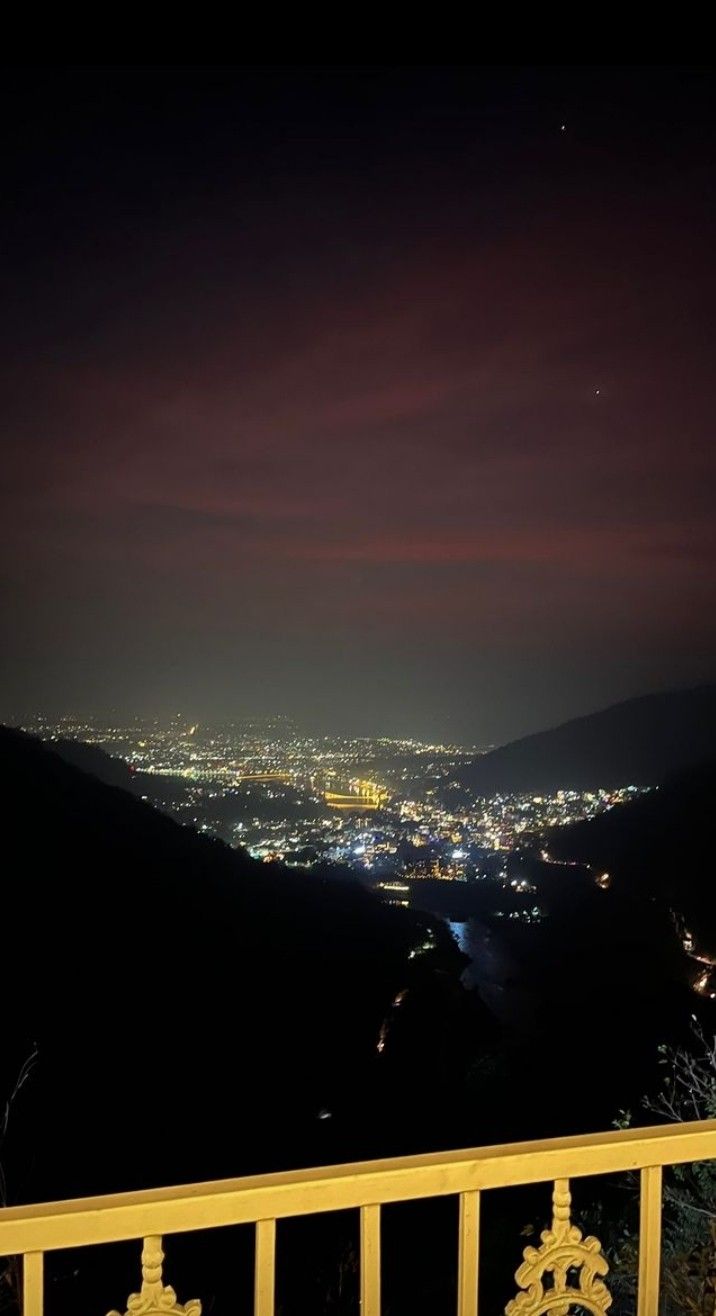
pixel 546 1278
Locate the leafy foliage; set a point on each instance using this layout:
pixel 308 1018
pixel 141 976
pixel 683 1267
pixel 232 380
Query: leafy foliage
pixel 689 1200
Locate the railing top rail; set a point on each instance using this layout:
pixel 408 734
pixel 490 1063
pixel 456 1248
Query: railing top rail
pixel 83 1221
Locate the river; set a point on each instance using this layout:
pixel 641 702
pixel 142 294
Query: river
pixel 493 972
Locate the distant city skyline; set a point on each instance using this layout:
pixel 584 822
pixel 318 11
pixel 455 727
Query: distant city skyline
pixel 378 397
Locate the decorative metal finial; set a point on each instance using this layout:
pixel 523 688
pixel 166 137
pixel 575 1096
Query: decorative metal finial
pixel 562 1249
pixel 156 1298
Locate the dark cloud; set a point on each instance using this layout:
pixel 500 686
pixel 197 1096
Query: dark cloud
pixel 370 394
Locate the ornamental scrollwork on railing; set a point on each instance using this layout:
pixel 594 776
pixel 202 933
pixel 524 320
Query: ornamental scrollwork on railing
pixel 156 1298
pixel 565 1272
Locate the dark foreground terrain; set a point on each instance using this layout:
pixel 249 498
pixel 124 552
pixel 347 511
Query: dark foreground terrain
pixel 195 1014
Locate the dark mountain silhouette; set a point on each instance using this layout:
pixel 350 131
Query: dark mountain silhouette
pixel 657 847
pixel 157 787
pixel 637 742
pixel 195 1011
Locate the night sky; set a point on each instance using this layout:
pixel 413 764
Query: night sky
pixel 380 397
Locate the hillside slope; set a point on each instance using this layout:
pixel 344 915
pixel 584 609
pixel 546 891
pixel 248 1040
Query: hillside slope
pixel 194 1010
pixel 156 787
pixel 659 846
pixel 637 742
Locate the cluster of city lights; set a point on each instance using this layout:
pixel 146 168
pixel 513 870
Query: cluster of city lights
pixel 390 809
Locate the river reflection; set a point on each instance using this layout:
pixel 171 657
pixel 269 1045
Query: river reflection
pixel 492 971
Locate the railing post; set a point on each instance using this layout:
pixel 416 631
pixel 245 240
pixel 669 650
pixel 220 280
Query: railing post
pixel 370 1260
pixel 157 1298
pixel 265 1268
pixel 468 1253
pixel 649 1241
pixel 32 1283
